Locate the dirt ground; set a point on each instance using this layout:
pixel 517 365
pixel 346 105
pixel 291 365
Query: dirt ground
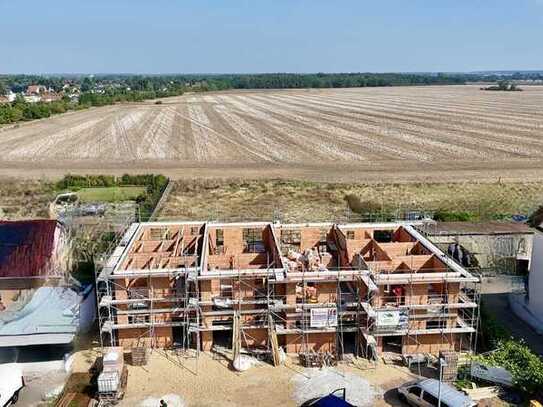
pixel 209 381
pixel 299 201
pixel 411 134
pixel 24 198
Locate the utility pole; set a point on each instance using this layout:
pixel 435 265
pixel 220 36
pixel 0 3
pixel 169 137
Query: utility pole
pixel 442 364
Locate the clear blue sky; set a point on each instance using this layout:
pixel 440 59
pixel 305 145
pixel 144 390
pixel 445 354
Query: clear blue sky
pixel 205 36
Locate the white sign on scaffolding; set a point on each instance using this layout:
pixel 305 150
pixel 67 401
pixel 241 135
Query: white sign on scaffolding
pixel 388 318
pixel 323 317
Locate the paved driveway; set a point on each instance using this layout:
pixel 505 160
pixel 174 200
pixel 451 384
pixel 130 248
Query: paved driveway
pixel 498 305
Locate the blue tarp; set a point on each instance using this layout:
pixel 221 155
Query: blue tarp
pixel 331 401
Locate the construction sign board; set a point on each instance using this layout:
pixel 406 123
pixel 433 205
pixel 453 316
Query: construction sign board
pixel 323 317
pixel 388 318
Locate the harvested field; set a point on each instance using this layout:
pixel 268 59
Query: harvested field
pixel 305 201
pixel 447 133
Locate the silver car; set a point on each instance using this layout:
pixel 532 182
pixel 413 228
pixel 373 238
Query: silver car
pixel 427 392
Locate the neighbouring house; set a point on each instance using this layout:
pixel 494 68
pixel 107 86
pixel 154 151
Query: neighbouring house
pixel 33 253
pixel 40 93
pixel 492 247
pixel 11 96
pixel 8 97
pixel 50 96
pixel 529 306
pixel 40 304
pixel 35 90
pixel 32 98
pixel 365 288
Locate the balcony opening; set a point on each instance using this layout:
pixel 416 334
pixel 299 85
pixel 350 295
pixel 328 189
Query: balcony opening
pixel 392 344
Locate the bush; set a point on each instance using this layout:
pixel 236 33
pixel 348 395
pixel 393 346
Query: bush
pixel 443 215
pixel 362 207
pixel 86 181
pixel 525 366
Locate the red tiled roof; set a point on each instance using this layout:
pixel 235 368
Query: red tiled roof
pixel 33 89
pixel 26 247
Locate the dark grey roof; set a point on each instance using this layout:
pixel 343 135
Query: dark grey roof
pixel 479 228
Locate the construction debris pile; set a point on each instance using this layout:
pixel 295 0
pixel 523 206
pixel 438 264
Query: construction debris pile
pixel 309 260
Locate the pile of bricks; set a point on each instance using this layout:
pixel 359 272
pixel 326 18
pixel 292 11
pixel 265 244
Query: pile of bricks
pixel 450 367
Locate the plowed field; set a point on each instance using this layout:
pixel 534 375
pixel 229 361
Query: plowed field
pixel 403 133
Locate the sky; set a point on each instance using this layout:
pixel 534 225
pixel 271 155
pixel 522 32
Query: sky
pixel 253 36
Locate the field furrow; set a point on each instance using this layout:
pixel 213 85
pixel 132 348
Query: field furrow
pixel 404 132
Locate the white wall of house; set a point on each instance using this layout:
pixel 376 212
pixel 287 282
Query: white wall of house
pixel 32 98
pixel 536 276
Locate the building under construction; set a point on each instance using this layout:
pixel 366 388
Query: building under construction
pixel 317 288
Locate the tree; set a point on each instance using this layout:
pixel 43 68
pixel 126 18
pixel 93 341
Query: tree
pixel 525 366
pixel 87 84
pixel 536 218
pixel 503 85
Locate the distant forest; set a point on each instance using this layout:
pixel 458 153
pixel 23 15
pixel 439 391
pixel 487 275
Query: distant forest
pixel 203 82
pixel 298 81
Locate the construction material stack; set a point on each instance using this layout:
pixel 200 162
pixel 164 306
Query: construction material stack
pixel 450 367
pixel 139 356
pixel 112 379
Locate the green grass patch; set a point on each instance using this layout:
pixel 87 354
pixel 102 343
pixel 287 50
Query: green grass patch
pixel 111 194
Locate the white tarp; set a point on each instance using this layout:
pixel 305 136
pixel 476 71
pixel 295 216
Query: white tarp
pixel 323 317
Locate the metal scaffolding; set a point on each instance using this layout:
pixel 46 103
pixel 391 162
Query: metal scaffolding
pixel 267 305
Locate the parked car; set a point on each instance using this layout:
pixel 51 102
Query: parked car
pixel 11 383
pixel 494 375
pixel 425 393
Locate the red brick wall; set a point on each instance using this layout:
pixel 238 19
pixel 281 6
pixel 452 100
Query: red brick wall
pixel 128 338
pixel 320 342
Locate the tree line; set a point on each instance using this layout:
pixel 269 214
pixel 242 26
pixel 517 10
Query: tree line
pixel 106 89
pixel 319 80
pixel 20 110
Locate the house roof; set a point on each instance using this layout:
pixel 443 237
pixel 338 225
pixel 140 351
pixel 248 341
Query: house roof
pixel 50 317
pixel 479 228
pixel 34 89
pixel 26 247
